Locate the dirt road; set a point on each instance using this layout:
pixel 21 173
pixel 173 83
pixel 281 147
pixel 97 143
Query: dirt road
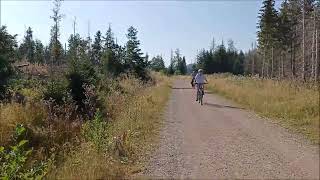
pixel 220 140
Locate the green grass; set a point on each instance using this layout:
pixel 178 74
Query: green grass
pixel 294 106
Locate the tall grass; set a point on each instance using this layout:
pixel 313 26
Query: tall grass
pixel 115 149
pixel 294 106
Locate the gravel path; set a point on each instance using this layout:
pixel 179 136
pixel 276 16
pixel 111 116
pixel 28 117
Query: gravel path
pixel 219 140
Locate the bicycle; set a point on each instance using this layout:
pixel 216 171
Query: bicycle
pixel 200 93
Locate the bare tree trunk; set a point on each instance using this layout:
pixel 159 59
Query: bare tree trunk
pixel 282 64
pixel 291 58
pixel 317 58
pixel 294 62
pixel 252 63
pixel 268 64
pixel 279 65
pixel 263 63
pixel 272 59
pixel 312 57
pixel 303 42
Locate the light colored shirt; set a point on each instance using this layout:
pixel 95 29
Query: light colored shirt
pixel 200 78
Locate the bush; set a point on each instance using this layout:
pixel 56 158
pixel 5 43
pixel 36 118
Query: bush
pixel 5 72
pixel 96 131
pixel 56 90
pixel 13 162
pixel 80 77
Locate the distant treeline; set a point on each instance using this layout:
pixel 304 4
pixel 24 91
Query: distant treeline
pixel 221 59
pixel 288 45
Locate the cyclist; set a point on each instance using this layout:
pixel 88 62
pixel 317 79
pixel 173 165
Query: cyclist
pixel 193 75
pixel 200 79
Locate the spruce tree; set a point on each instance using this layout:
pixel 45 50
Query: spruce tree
pixel 157 63
pixel 55 46
pixel 183 66
pixel 39 52
pixel 267 34
pixel 7 49
pixel 97 48
pixel 109 40
pixel 27 48
pixel 8 43
pixel 112 55
pixel 134 62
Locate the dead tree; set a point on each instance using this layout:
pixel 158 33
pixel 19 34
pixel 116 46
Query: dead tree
pixel 272 59
pixel 303 42
pixel 252 63
pixel 317 57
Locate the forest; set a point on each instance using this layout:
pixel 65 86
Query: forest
pixel 287 45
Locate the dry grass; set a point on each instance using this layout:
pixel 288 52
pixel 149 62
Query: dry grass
pixel 32 69
pixel 293 106
pixel 14 113
pixel 132 112
pixel 135 117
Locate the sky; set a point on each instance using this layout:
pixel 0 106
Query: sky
pixel 162 25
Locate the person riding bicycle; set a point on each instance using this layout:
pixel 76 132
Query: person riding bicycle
pixel 193 75
pixel 200 79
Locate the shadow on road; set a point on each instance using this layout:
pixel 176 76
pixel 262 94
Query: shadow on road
pixel 180 88
pixel 221 106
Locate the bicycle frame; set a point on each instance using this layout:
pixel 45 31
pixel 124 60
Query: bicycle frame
pixel 200 92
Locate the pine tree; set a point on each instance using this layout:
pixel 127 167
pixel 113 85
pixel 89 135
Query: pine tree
pixel 39 52
pixel 112 55
pixel 267 34
pixel 109 39
pixel 7 49
pixel 8 43
pixel 213 45
pixel 134 62
pixel 157 63
pixel 97 48
pixel 238 64
pixel 285 34
pixel 73 46
pixel 55 46
pixel 27 48
pixel 80 69
pixel 221 59
pixel 177 62
pixel 183 66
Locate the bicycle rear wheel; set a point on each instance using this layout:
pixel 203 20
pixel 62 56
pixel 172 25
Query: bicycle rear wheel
pixel 201 99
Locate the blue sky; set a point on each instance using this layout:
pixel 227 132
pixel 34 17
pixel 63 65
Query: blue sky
pixel 162 25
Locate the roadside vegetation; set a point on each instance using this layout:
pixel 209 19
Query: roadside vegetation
pixel 87 111
pixel 116 149
pixel 291 104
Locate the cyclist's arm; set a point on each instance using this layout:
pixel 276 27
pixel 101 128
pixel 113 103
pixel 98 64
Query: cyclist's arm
pixel 205 78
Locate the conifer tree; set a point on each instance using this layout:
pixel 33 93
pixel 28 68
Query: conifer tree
pixel 97 48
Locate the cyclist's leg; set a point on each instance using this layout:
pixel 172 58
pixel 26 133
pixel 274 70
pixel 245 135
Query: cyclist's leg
pixel 202 89
pixel 198 89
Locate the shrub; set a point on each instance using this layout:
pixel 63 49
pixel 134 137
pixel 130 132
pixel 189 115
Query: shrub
pixel 13 162
pixel 5 72
pixel 95 130
pixel 56 90
pixel 79 76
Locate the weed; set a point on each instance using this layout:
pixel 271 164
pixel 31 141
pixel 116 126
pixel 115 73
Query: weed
pixel 13 161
